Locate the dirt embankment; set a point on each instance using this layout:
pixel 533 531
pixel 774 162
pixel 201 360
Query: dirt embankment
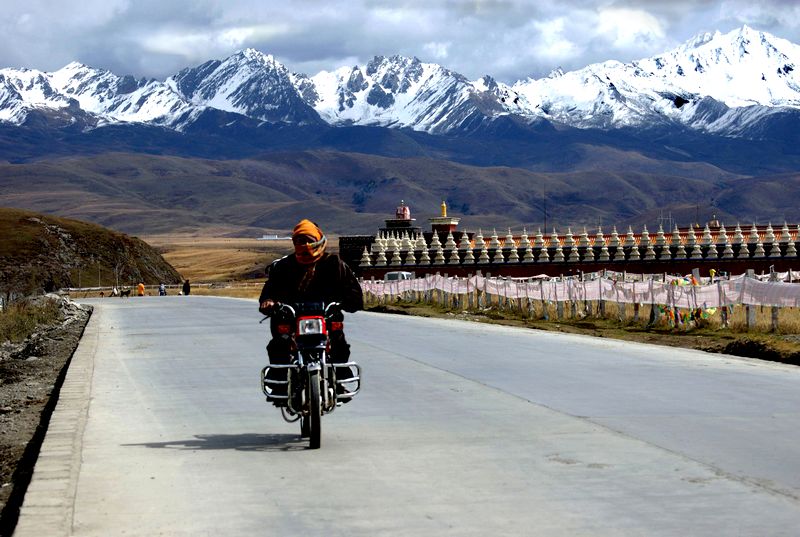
pixel 43 253
pixel 31 373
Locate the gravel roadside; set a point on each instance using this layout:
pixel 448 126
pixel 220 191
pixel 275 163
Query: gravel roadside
pixel 31 373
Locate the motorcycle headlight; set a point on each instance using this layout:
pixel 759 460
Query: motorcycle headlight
pixel 311 326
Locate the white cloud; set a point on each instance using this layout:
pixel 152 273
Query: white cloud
pixel 234 37
pixel 509 39
pixel 237 37
pixel 179 43
pixel 390 15
pixel 90 14
pixel 438 51
pixel 189 44
pixel 25 20
pixel 761 15
pixel 626 28
pixel 552 41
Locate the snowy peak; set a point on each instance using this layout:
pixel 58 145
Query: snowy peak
pixel 485 84
pixel 396 74
pixel 701 39
pixel 34 87
pixel 256 57
pixel 250 83
pixel 99 91
pixel 401 92
pixel 23 90
pixel 100 94
pixel 740 69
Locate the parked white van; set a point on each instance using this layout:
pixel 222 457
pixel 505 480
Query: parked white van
pixel 398 275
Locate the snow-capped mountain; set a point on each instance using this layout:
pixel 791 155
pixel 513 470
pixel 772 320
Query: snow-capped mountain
pixel 249 83
pixel 400 92
pixel 727 84
pixel 24 89
pixel 713 82
pixel 99 94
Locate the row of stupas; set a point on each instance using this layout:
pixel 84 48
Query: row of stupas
pixel 401 244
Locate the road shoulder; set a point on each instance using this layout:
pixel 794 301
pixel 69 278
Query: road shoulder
pixel 48 505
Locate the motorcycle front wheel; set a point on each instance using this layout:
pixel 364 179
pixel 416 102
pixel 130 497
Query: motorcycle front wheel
pixel 314 418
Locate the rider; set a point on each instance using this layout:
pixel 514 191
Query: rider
pixel 309 275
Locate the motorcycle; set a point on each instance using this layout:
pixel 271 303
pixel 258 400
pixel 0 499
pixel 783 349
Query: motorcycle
pixel 313 384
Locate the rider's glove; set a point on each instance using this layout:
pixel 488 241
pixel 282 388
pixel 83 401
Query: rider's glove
pixel 267 307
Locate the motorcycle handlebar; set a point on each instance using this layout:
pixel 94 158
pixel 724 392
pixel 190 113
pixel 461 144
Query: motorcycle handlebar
pixel 280 306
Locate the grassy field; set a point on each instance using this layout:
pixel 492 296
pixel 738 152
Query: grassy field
pixel 213 259
pixel 19 319
pixel 238 289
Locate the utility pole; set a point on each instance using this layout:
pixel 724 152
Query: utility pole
pixel 117 266
pixel 666 220
pixel 544 206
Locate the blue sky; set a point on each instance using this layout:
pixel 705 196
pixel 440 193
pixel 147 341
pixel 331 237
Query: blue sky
pixel 508 39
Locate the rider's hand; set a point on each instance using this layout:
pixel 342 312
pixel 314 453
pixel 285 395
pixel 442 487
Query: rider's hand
pixel 267 307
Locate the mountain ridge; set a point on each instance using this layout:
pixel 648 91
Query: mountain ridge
pixel 353 192
pixel 703 85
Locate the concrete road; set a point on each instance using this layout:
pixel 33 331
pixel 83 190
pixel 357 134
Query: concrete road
pixel 461 429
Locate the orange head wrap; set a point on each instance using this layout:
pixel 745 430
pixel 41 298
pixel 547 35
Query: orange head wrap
pixel 309 253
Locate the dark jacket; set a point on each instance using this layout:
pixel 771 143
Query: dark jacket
pixel 333 281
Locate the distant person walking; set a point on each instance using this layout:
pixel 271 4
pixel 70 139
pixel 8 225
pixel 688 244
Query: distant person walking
pixel 49 285
pixel 140 289
pixel 186 288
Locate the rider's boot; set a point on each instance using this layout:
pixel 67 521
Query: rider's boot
pixel 277 389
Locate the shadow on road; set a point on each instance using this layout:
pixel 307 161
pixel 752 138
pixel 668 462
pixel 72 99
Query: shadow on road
pixel 239 442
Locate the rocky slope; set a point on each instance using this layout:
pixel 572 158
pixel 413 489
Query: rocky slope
pixel 41 252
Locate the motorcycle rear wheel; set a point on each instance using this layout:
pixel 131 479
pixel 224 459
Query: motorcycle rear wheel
pixel 314 418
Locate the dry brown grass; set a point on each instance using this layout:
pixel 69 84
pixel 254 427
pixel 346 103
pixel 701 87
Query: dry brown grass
pixel 214 259
pixel 19 319
pixel 235 290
